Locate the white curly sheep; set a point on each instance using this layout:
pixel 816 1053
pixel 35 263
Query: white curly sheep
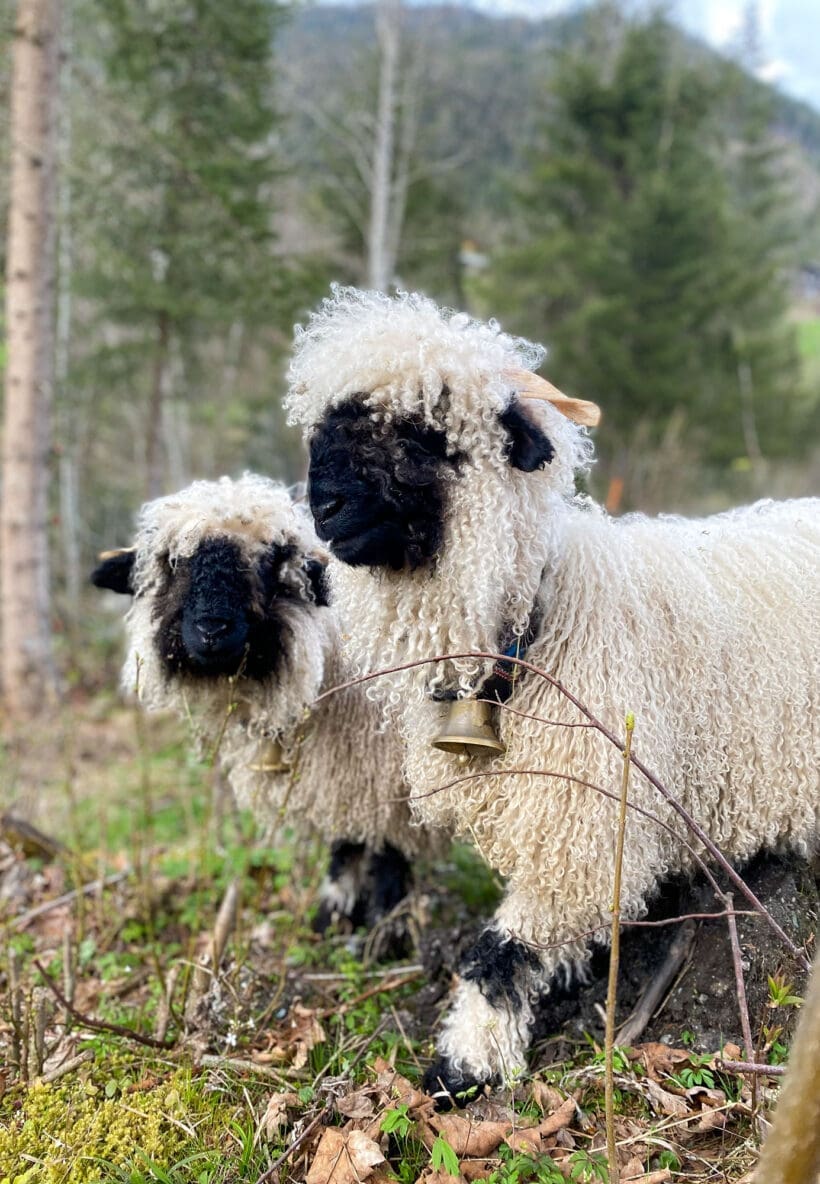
pixel 450 504
pixel 230 627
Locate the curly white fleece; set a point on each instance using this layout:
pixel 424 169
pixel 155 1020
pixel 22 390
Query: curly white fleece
pixel 345 770
pixel 708 631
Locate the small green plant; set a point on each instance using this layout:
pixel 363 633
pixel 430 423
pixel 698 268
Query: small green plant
pixel 781 992
pixel 621 1062
pixel 587 1166
pixel 520 1168
pixel 687 1038
pixel 668 1159
pixel 696 1073
pixel 689 1078
pixel 443 1157
pixel 397 1121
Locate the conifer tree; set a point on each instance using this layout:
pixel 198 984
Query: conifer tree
pixel 183 252
pixel 643 245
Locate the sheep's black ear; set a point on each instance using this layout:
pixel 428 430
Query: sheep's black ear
pixel 116 571
pixel 316 572
pixel 527 446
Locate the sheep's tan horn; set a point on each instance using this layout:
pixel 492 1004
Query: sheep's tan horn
pixel 532 386
pixel 115 554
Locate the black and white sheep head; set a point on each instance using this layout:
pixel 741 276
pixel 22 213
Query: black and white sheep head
pixel 400 402
pixel 226 579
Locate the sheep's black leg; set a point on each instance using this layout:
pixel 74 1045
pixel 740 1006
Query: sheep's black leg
pixel 486 1031
pixel 389 877
pixel 340 897
pixel 361 885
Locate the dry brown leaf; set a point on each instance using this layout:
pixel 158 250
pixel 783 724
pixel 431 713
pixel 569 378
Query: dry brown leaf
pixel 658 1177
pixel 356 1105
pixel 397 1088
pixel 476 1139
pixel 562 1117
pixel 477 1169
pixel 664 1102
pixel 526 1140
pixel 712 1120
pixel 731 1052
pixel 660 1060
pixel 634 1170
pixel 344 1157
pixel 700 1095
pixel 294 1039
pixel 546 1097
pixel 430 1176
pixel 275 1118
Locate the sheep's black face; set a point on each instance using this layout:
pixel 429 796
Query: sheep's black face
pixel 215 616
pixel 377 492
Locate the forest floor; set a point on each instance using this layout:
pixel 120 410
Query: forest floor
pixel 300 1059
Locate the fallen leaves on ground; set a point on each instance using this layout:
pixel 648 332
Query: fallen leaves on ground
pixel 344 1157
pixel 293 1039
pixel 358 1149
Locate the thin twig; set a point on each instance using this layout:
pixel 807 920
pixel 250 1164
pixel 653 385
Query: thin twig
pixel 655 781
pixel 740 986
pixel 539 719
pixel 99 1025
pixel 571 780
pixel 95 886
pixel 273 1171
pixel 614 957
pixel 749 1067
pixel 335 976
pixel 635 1024
pixel 208 966
pixel 380 989
pixel 240 1065
pixel 67 1067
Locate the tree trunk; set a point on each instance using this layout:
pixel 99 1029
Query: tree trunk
pixel 26 664
pixel 380 259
pixel 154 451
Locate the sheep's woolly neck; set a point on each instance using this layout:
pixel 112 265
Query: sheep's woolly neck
pixel 407 357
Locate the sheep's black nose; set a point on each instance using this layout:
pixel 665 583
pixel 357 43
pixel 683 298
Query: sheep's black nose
pixel 211 629
pixel 328 509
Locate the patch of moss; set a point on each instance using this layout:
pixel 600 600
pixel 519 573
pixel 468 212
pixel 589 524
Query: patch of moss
pixel 63 1134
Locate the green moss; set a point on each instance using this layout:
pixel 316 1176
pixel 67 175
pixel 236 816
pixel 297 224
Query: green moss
pixel 66 1135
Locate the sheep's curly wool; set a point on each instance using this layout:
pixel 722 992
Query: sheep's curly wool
pixel 708 631
pixel 343 770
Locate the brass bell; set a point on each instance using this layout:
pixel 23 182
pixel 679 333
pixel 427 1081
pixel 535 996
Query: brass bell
pixel 270 759
pixel 469 730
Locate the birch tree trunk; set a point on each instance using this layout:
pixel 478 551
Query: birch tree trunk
pixel 26 664
pixel 380 257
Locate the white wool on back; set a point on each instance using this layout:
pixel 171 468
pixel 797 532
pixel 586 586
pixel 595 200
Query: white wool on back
pixel 345 774
pixel 708 631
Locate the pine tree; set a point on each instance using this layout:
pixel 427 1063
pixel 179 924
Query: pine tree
pixel 183 255
pixel 627 259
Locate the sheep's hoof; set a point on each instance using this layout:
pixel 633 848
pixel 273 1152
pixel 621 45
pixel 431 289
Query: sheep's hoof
pixel 448 1087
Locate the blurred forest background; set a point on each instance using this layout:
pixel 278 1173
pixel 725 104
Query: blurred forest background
pixel 599 181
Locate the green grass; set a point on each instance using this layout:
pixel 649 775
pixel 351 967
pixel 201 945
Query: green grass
pixel 130 796
pixel 808 339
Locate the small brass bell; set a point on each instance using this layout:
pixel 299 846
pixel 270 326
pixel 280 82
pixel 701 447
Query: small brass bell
pixel 469 731
pixel 270 759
